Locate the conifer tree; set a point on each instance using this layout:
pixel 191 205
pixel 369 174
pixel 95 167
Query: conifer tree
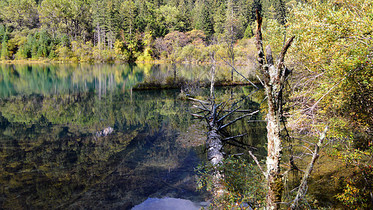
pixel 203 20
pixel 4 46
pixel 280 11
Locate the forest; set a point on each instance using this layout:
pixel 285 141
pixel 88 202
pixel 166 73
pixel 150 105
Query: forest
pixel 330 63
pixel 126 31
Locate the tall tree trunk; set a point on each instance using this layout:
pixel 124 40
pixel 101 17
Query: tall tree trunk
pixel 274 179
pixel 274 77
pixel 214 138
pixel 99 37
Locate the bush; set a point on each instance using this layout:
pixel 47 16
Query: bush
pixel 242 181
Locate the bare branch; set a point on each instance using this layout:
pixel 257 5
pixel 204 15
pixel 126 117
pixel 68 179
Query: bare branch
pixel 199 107
pixel 198 116
pixel 257 163
pixel 238 111
pixel 265 98
pixel 308 149
pixel 303 185
pixel 314 105
pixel 305 141
pixel 250 121
pixel 200 101
pixel 233 137
pixel 240 144
pixel 239 73
pixel 248 96
pixel 283 52
pixel 230 112
pixel 238 154
pixel 235 120
pixel 261 82
pixel 223 104
pixel 259 37
pixel 202 111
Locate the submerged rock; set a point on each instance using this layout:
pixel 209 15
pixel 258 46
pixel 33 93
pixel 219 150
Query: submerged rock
pixel 167 204
pixel 105 132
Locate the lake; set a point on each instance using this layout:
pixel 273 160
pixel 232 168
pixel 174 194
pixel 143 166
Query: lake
pixel 78 136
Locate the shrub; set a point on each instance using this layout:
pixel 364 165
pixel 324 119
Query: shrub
pixel 241 179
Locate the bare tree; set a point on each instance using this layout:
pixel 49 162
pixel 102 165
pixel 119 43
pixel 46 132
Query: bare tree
pixel 274 75
pixel 216 116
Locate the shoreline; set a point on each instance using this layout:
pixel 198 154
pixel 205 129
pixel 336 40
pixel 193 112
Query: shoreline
pixel 154 62
pixel 145 86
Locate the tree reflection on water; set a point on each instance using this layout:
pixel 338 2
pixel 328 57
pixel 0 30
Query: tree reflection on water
pixel 51 156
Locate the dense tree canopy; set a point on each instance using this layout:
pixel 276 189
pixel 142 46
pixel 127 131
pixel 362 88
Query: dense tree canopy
pixel 116 29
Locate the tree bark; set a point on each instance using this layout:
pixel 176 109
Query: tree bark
pixel 274 82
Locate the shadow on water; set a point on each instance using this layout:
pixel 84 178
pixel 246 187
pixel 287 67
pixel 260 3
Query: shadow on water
pixel 52 157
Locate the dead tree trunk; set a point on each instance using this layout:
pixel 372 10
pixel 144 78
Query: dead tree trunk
pixel 214 142
pixel 214 139
pixel 214 151
pixel 216 117
pixel 274 76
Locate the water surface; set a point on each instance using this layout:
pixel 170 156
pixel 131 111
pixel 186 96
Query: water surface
pixel 53 156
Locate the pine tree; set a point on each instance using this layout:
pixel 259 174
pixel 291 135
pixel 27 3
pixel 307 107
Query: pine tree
pixel 2 32
pixel 34 46
pixel 280 11
pixel 203 20
pixel 4 47
pixel 219 17
pixel 128 13
pixel 43 44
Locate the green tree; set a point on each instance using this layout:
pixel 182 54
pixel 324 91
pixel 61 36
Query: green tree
pixel 23 49
pixel 128 14
pixel 66 17
pixel 185 15
pixel 19 14
pixel 146 16
pixel 337 57
pixel 4 47
pixel 43 43
pixel 280 11
pixel 202 17
pixel 171 18
pixel 334 82
pixel 111 21
pixel 219 17
pixel 2 31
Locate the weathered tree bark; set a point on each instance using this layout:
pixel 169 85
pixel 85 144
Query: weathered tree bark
pixel 215 153
pixel 274 76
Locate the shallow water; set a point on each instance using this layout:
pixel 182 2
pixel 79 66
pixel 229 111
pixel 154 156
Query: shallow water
pixel 167 204
pixel 52 151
